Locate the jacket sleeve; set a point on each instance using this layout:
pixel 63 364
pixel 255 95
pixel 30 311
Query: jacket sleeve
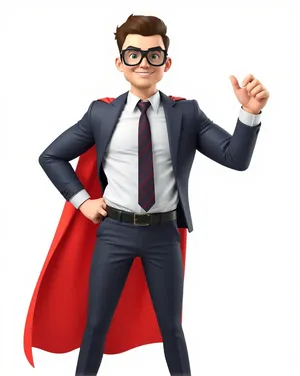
pixel 73 142
pixel 233 151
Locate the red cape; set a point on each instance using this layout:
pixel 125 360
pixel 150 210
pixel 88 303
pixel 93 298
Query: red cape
pixel 57 313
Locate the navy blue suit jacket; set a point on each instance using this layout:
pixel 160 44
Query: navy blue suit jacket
pixel 189 129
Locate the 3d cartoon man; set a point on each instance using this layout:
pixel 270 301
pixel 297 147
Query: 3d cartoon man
pixel 144 143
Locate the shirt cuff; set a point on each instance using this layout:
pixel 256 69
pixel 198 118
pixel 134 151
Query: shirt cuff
pixel 249 119
pixel 79 198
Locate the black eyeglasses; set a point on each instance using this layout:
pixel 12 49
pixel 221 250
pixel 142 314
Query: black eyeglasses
pixel 133 56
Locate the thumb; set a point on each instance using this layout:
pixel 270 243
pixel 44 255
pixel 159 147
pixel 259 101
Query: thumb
pixel 234 82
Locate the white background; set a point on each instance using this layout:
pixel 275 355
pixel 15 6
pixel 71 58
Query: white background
pixel 242 286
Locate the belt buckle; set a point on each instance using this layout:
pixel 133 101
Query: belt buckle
pixel 135 216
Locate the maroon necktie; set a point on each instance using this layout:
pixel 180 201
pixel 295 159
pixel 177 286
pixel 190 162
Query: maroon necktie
pixel 146 175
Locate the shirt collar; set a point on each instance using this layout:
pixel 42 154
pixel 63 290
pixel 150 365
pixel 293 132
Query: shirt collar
pixel 132 101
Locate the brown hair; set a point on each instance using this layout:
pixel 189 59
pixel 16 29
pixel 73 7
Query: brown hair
pixel 142 25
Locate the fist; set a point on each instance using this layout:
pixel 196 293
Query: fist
pixel 94 209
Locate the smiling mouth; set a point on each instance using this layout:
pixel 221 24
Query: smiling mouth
pixel 144 74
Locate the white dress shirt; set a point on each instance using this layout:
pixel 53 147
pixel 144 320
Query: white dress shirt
pixel 120 161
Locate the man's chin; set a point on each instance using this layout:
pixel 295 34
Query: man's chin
pixel 143 84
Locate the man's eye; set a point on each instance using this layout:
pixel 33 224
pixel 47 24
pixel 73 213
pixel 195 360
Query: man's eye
pixel 133 56
pixel 154 56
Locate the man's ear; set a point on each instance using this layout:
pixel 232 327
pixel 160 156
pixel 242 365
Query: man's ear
pixel 168 64
pixel 119 64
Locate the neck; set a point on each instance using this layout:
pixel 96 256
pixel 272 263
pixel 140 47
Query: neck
pixel 143 93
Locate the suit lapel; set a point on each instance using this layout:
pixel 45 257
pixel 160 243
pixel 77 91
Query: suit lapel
pixel 110 118
pixel 174 120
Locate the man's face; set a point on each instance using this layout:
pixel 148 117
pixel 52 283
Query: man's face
pixel 134 74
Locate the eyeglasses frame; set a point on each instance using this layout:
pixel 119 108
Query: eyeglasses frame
pixel 144 53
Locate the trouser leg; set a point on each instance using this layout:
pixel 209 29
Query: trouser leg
pixel 163 267
pixel 111 263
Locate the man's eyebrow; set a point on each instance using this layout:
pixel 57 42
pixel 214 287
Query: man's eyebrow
pixel 137 48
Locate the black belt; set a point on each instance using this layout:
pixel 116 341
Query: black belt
pixel 149 219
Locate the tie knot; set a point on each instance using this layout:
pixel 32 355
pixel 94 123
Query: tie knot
pixel 143 106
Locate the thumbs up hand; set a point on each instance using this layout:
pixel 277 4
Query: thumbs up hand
pixel 253 96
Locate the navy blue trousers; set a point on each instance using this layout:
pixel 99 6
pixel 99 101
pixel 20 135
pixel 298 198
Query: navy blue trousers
pixel 117 245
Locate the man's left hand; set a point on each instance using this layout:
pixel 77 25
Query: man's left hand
pixel 253 96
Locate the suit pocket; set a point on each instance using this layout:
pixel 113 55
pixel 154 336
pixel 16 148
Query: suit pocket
pixel 175 230
pixel 101 226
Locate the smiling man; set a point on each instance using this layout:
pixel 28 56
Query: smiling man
pixel 141 147
pixel 143 61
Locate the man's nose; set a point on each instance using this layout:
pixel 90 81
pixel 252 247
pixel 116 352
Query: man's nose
pixel 144 62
